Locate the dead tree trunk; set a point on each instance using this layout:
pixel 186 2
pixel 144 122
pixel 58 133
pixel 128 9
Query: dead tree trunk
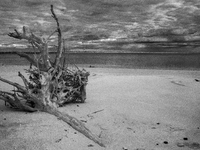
pixel 50 83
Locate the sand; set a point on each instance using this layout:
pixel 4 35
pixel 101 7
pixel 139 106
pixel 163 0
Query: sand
pixel 130 109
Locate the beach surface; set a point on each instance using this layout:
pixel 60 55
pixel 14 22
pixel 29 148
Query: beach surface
pixel 129 109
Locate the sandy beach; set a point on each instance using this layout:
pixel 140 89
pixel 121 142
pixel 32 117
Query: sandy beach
pixel 129 109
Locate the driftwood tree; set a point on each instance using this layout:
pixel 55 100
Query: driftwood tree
pixel 51 84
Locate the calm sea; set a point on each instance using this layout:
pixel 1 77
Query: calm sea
pixel 126 60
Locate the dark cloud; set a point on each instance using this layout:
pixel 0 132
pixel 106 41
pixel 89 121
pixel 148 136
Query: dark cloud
pixel 129 19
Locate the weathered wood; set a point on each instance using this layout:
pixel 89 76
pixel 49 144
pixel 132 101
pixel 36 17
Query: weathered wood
pixel 60 42
pixel 50 85
pixel 13 84
pixel 76 124
pixel 37 42
pixel 15 102
pixel 27 57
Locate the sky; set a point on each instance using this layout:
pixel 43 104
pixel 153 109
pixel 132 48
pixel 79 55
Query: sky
pixel 92 22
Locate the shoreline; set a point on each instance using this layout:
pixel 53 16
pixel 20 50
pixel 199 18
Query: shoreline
pixel 121 60
pixel 102 51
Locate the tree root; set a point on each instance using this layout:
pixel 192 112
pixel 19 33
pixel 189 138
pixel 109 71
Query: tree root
pixel 50 84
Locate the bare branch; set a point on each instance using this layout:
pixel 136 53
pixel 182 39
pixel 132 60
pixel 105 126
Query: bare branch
pixel 26 83
pixel 22 106
pixel 37 42
pixel 40 66
pixel 76 124
pixel 64 60
pixel 60 43
pixel 55 17
pixel 51 35
pixel 18 86
pixel 8 98
pixel 15 101
pixel 36 38
pixel 27 57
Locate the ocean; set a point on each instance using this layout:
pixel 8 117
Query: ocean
pixel 123 60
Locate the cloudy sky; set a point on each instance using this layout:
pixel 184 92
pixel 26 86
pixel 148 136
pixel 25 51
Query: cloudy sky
pixel 105 20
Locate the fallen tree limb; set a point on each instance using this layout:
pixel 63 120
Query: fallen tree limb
pixel 76 124
pixel 50 84
pixel 14 101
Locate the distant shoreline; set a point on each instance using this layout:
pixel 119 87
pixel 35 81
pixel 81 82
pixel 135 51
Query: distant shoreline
pixel 162 60
pixel 108 52
pixel 147 50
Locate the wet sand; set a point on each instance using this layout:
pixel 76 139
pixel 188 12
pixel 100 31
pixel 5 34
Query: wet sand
pixel 133 109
